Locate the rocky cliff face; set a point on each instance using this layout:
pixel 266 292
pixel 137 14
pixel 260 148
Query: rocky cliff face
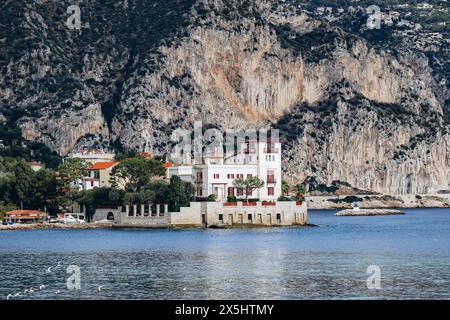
pixel 348 109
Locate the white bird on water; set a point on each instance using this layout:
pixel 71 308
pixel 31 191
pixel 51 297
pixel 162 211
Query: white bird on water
pixel 9 296
pixel 100 288
pixel 41 287
pixel 50 269
pixel 29 291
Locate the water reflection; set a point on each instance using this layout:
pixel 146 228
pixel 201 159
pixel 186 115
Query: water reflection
pixel 328 262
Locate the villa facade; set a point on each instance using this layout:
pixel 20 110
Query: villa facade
pixel 214 173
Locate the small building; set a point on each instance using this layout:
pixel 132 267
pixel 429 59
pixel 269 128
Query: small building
pixel 25 216
pixel 99 175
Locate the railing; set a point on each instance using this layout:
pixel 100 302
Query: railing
pixel 249 204
pixel 270 150
pixel 230 204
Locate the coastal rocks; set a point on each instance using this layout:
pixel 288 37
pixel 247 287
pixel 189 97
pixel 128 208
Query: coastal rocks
pixel 379 201
pixel 32 226
pixel 368 212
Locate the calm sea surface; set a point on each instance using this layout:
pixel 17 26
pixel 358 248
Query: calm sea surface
pixel 326 262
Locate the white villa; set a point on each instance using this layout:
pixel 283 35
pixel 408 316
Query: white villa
pixel 215 173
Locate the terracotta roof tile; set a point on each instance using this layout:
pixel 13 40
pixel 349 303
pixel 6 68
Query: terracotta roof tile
pixel 102 165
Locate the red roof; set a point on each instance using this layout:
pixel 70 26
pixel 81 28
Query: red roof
pixel 102 165
pixel 25 213
pixel 167 164
pixel 146 155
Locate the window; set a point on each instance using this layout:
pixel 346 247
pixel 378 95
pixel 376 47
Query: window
pixel 230 191
pixel 221 217
pixel 249 175
pixel 199 191
pixel 199 176
pixel 271 176
pixel 92 183
pixel 240 176
pixel 250 218
pixel 278 216
pixel 96 174
pixel 240 191
pixel 270 191
pixel 230 176
pixel 216 176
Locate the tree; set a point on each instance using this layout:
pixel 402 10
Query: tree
pixel 248 185
pixel 19 180
pixel 5 208
pixel 285 188
pixel 136 172
pixel 299 190
pixel 72 169
pixel 180 193
pixel 46 194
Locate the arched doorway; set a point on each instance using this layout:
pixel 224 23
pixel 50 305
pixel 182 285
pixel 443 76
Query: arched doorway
pixel 110 216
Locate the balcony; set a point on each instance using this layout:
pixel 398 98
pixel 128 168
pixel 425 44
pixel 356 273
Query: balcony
pixel 248 150
pixel 271 150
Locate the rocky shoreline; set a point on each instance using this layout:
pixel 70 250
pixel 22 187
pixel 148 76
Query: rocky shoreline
pixel 368 212
pixel 32 226
pixel 379 201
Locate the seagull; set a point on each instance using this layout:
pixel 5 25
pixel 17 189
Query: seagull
pixel 8 296
pixel 49 270
pixel 41 287
pixel 58 291
pixel 100 288
pixel 28 291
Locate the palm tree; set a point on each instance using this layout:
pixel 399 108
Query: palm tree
pixel 285 188
pixel 299 190
pixel 248 185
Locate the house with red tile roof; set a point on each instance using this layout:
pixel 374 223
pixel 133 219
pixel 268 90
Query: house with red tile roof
pixel 98 175
pixel 25 216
